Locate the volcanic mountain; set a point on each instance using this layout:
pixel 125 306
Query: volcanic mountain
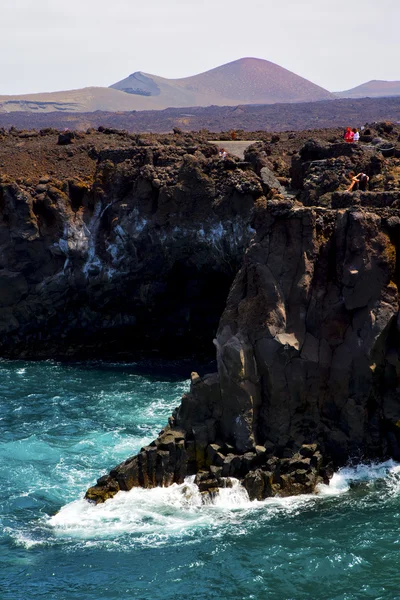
pixel 372 89
pixel 243 81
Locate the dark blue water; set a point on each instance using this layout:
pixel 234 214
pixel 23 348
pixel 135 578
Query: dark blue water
pixel 63 426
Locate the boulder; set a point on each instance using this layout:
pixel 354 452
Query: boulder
pixel 66 138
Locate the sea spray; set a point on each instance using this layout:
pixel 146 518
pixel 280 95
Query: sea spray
pixel 182 507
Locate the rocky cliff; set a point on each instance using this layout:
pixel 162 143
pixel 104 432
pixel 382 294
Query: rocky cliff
pixel 308 344
pixel 114 245
pixel 134 255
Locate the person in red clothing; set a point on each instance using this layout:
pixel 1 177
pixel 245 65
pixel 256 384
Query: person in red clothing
pixel 349 135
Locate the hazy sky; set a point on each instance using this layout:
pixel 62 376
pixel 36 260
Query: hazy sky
pixel 48 45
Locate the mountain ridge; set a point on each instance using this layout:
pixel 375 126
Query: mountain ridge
pixel 375 88
pixel 243 81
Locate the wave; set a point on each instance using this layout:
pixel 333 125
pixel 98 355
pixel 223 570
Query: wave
pixel 164 511
pixel 158 514
pixel 373 476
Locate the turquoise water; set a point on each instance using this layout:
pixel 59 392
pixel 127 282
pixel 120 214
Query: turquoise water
pixel 62 426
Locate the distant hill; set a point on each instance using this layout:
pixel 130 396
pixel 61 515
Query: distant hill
pixel 243 81
pixel 82 100
pixel 372 89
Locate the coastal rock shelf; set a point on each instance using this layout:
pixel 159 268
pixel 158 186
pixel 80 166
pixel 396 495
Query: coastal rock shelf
pixel 179 452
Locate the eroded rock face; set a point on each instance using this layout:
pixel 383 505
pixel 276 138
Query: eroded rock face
pixel 191 445
pixel 317 330
pixel 307 347
pixel 140 260
pixel 306 352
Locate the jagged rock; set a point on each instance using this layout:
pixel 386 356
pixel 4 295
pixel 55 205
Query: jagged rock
pixel 105 489
pixel 306 352
pixel 315 150
pixel 257 156
pixel 303 315
pixel 270 182
pixel 93 269
pixel 66 138
pixel 259 484
pixel 206 481
pixel 324 168
pixel 172 457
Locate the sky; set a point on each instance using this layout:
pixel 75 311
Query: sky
pixel 49 45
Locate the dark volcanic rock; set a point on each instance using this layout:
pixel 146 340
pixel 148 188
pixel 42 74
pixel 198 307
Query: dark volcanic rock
pixel 306 353
pixel 141 253
pixel 307 347
pixel 141 260
pixel 179 452
pixel 308 344
pixel 66 138
pixel 322 168
pixel 266 117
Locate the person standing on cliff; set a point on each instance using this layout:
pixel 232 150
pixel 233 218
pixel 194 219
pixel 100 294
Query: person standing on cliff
pixel 349 135
pixel 356 136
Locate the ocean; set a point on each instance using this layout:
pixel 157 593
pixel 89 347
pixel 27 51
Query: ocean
pixel 62 426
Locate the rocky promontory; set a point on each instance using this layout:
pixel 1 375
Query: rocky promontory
pixel 308 344
pixel 116 246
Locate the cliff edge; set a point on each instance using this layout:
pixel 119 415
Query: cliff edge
pixel 116 246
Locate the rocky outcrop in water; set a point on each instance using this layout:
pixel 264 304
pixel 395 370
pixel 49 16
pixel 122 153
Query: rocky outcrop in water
pixel 307 347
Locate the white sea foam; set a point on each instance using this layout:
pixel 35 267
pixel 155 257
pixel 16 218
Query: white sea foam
pixel 157 515
pixel 154 516
pixel 139 511
pixel 342 480
pixel 26 540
